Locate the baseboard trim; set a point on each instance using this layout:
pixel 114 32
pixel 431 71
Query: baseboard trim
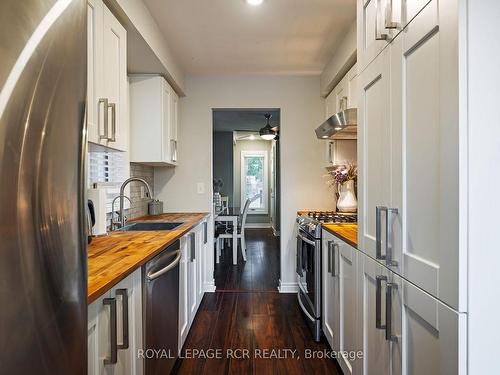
pixel 209 287
pixel 257 225
pixel 288 287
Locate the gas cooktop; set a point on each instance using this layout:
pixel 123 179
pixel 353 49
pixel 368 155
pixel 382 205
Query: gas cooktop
pixel 331 217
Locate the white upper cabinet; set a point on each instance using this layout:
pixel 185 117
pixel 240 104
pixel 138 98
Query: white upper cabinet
pixel 380 21
pixel 153 121
pixel 107 78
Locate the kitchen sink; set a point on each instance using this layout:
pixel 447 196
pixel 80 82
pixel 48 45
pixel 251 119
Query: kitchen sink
pixel 149 225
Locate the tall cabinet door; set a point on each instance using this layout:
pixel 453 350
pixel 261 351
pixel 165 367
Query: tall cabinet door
pixel 426 184
pixel 330 292
pixel 347 279
pixel 114 65
pixel 430 337
pixel 95 10
pixel 371 335
pixel 374 150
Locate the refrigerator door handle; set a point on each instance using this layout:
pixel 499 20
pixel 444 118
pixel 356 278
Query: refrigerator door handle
pixel 124 294
pixel 113 355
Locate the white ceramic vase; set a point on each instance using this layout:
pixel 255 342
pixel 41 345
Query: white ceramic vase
pixel 347 201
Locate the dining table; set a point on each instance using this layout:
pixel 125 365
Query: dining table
pixel 230 215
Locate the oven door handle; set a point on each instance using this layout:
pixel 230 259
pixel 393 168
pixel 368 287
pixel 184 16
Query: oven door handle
pixel 302 238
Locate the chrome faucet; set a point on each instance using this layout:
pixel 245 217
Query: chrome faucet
pixel 122 196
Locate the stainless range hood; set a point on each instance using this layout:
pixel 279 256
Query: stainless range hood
pixel 342 125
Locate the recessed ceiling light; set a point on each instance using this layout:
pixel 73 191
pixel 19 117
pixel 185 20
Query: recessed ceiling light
pixel 255 2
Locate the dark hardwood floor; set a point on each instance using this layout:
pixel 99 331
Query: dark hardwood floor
pixel 247 327
pixel 260 272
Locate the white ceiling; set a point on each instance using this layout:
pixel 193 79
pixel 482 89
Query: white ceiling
pixel 233 37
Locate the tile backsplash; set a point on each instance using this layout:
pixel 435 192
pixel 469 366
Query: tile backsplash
pixel 139 207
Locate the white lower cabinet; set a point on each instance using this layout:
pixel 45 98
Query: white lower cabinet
pixel 404 330
pixel 191 286
pixel 339 298
pixel 115 329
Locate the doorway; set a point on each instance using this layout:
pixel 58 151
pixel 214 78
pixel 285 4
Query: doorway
pixel 246 173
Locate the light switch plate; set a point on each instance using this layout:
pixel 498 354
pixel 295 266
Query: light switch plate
pixel 200 188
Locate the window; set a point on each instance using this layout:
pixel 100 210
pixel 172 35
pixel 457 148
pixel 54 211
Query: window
pixel 109 170
pixel 254 180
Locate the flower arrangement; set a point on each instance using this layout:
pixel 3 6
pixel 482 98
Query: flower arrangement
pixel 339 174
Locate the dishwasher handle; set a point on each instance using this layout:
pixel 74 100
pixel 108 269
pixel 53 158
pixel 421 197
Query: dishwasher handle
pixel 153 275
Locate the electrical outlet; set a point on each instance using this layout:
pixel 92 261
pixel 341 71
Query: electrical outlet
pixel 200 188
pixel 143 192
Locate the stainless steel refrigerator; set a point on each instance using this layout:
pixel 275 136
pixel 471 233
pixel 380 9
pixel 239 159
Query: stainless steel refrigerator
pixel 43 260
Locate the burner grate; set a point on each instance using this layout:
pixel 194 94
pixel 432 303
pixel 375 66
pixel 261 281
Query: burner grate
pixel 332 217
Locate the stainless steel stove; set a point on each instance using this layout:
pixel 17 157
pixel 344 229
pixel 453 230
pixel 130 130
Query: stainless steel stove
pixel 308 261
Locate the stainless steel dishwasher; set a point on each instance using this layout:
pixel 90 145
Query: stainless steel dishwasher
pixel 160 282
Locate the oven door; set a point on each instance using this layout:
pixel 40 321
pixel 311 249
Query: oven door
pixel 308 272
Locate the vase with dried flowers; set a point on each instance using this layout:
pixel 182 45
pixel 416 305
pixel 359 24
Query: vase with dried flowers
pixel 343 178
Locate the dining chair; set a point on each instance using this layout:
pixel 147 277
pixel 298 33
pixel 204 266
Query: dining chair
pixel 228 234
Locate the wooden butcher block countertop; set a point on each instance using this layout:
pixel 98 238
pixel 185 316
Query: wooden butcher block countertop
pixel 113 257
pixel 346 232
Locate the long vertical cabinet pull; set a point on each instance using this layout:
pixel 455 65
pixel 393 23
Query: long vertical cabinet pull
pixel 378 232
pixel 389 16
pixel 388 312
pixel 173 143
pixel 334 260
pixel 329 264
pixel 103 101
pixel 113 355
pixel 113 122
pixel 124 294
pixel 193 246
pixel 378 302
pixel 379 25
pixel 389 235
pixel 205 232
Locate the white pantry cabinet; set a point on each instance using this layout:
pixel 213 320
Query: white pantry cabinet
pixel 107 108
pixel 115 324
pixel 374 151
pixel 409 156
pixel 153 121
pixel 404 330
pixel 339 298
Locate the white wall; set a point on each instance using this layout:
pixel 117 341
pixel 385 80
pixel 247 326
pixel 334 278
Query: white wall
pixel 302 154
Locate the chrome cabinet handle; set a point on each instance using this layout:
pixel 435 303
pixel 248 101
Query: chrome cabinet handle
pixel 378 303
pixel 329 263
pixel 113 122
pixel 388 312
pixel 378 232
pixel 105 106
pixel 379 35
pixel 389 16
pixel 113 355
pixel 193 245
pixel 124 294
pixel 205 232
pixel 334 261
pixel 151 276
pixel 389 234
